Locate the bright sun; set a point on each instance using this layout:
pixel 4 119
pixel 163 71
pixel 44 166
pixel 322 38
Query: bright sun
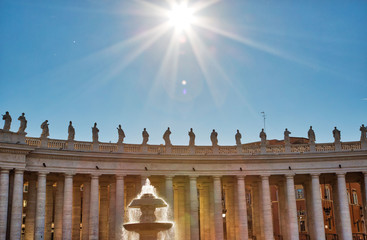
pixel 181 17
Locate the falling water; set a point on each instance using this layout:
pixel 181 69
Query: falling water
pixel 162 215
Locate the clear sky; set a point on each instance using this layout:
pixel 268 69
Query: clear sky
pixel 119 62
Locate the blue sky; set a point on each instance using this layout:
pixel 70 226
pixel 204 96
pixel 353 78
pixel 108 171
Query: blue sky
pixel 303 63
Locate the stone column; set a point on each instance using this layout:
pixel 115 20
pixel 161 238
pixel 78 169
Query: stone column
pixel 169 194
pixel 119 207
pixel 365 197
pixel 59 205
pixel 218 220
pixel 346 228
pixel 39 229
pixel 317 212
pixel 4 190
pixel 103 212
pixel 31 209
pixel 194 207
pixel 85 214
pixel 76 209
pixel 292 209
pixel 49 209
pixel 242 209
pixel 94 207
pixel 112 211
pixel 266 208
pixel 67 207
pixel 17 206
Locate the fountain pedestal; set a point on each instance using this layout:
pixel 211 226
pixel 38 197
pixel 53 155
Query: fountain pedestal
pixel 147 227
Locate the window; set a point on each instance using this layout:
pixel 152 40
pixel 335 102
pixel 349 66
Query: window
pixel 327 193
pixel 25 187
pixel 302 225
pixel 354 197
pixel 24 203
pixel 299 194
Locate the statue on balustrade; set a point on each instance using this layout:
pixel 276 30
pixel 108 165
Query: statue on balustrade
pixel 145 135
pixel 287 139
pixel 95 132
pixel 45 131
pixel 23 123
pixel 214 138
pixel 263 137
pixel 121 134
pixel 166 139
pixel 238 137
pixel 71 132
pixel 336 134
pixel 7 122
pixel 192 138
pixel 363 130
pixel 311 135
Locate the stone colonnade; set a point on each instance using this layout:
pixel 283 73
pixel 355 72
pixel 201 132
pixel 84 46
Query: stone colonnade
pixel 198 204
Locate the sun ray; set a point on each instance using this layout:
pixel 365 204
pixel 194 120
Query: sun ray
pixel 155 9
pixel 203 4
pixel 246 41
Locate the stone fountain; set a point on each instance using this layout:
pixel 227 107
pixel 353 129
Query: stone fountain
pixel 148 227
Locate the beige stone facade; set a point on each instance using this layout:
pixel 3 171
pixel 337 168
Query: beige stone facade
pixel 55 189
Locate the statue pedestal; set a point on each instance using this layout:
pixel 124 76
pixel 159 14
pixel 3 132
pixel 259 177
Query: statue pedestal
pixel 216 150
pixel 192 149
pixel 364 145
pixel 120 147
pixel 168 149
pixel 44 142
pixel 239 149
pixel 144 148
pixel 12 137
pixel 287 148
pixel 312 147
pixel 70 145
pixel 95 146
pixel 338 146
pixel 263 149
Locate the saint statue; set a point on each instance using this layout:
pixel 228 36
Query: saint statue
pixel 121 134
pixel 166 139
pixel 45 131
pixel 192 138
pixel 287 139
pixel 311 135
pixel 336 134
pixel 95 131
pixel 214 138
pixel 7 122
pixel 71 132
pixel 363 130
pixel 238 137
pixel 145 135
pixel 263 137
pixel 23 123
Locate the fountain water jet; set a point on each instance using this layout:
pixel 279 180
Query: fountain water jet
pixel 148 227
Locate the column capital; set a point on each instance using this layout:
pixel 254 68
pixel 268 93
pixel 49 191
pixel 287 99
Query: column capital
pixel 315 175
pixel 42 173
pixel 193 177
pixel 19 171
pixel 240 177
pixel 340 174
pixel 69 174
pixel 265 177
pixel 167 177
pixel 365 174
pixel 6 170
pixel 217 177
pixel 120 176
pixel 290 175
pixel 95 175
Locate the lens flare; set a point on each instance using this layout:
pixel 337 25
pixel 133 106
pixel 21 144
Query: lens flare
pixel 181 17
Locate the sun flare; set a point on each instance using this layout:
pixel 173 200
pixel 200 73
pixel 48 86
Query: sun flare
pixel 181 16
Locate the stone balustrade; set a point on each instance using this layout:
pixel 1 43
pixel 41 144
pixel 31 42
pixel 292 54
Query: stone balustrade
pixel 245 149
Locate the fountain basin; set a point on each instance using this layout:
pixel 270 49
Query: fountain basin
pixel 143 227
